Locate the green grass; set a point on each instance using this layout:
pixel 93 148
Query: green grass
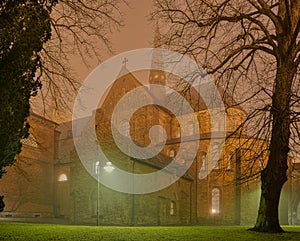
pixel 25 231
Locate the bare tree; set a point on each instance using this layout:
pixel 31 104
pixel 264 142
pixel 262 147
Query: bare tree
pixel 80 30
pixel 252 48
pixel 37 40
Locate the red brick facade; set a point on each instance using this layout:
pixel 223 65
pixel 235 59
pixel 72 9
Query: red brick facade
pixel 50 181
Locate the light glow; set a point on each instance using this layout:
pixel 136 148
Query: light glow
pixel 62 178
pixel 97 164
pixel 108 167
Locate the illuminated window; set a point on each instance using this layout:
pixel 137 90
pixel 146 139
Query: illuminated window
pixel 215 201
pixel 125 128
pixel 172 153
pixel 62 178
pixel 172 208
pixel 204 162
pixel 229 157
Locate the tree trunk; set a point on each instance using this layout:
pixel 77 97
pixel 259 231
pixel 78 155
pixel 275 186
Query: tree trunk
pixel 267 219
pixel 274 175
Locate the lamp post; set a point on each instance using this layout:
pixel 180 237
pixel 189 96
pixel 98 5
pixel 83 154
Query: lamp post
pixel 108 168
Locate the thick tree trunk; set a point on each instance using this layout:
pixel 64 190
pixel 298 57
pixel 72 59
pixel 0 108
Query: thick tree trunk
pixel 267 219
pixel 274 175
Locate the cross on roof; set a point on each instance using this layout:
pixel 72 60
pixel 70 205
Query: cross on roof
pixel 125 61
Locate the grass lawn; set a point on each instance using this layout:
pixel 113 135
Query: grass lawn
pixel 25 231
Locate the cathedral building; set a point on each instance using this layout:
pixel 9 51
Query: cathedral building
pixel 49 180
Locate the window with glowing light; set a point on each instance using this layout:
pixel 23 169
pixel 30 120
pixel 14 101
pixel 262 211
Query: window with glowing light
pixel 204 162
pixel 172 208
pixel 62 178
pixel 215 201
pixel 172 153
pixel 229 158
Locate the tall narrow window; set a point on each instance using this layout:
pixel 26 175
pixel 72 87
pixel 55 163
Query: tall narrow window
pixel 125 128
pixel 172 153
pixel 204 162
pixel 215 201
pixel 229 157
pixel 178 130
pixel 172 208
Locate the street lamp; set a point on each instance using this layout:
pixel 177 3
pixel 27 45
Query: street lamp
pixel 108 168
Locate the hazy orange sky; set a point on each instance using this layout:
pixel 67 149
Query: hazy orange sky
pixel 137 32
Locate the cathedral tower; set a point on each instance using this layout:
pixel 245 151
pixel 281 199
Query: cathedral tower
pixel 156 75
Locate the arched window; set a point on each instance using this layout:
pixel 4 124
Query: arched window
pixel 215 201
pixel 204 162
pixel 171 153
pixel 229 157
pixel 62 177
pixel 172 208
pixel 125 128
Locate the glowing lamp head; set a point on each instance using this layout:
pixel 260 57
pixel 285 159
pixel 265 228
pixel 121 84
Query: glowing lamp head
pixel 213 211
pixel 108 167
pixel 97 165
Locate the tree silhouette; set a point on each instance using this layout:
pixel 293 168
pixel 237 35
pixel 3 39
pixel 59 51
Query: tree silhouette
pixel 252 48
